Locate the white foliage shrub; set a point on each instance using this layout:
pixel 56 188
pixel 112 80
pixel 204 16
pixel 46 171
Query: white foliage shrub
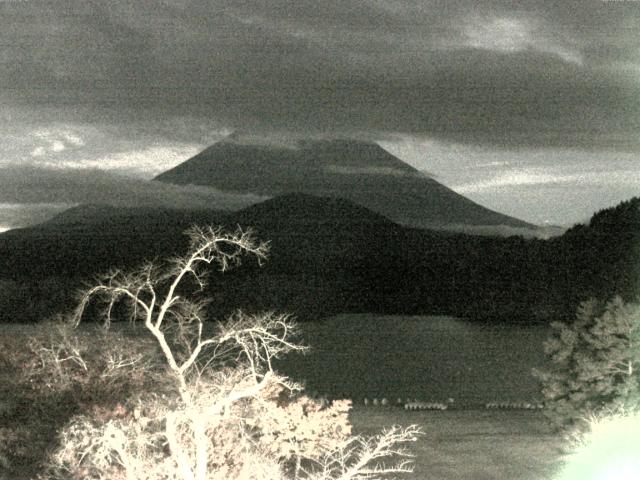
pixel 608 449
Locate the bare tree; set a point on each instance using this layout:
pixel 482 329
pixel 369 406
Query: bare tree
pixel 233 416
pixel 358 458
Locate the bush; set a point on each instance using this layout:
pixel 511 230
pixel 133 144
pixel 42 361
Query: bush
pixel 51 372
pixel 201 405
pixel 95 365
pixel 609 448
pixel 595 363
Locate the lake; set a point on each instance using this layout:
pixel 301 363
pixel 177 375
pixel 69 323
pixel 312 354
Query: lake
pixel 424 357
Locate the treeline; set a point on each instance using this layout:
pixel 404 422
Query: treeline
pixel 374 266
pixel 329 256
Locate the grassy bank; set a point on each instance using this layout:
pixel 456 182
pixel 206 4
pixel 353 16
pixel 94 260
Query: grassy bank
pixel 473 444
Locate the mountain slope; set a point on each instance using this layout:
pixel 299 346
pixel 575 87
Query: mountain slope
pixel 90 238
pixel 330 255
pixel 358 171
pixel 300 209
pixel 323 252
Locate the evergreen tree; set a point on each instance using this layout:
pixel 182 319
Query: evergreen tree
pixel 594 362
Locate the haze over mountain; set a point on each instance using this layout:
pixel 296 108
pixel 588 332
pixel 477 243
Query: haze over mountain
pixel 359 171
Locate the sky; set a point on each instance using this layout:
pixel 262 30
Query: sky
pixel 530 108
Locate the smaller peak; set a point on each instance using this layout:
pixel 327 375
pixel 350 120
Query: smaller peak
pixel 302 207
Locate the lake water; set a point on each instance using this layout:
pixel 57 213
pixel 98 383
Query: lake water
pixel 429 358
pixel 424 357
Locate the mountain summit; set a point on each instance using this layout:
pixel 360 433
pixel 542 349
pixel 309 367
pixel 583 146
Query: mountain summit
pixel 359 171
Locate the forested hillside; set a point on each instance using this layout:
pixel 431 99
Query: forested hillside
pixel 329 256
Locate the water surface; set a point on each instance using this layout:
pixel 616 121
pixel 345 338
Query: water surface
pixel 424 357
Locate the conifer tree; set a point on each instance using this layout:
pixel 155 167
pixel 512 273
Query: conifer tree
pixel 594 363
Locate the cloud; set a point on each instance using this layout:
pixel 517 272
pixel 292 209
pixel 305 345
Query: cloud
pixel 52 141
pixel 146 162
pixel 73 139
pixel 516 178
pixel 492 164
pixel 141 148
pixel 49 190
pixel 344 170
pixel 491 98
pixel 38 152
pixel 539 185
pixel 513 34
pixel 57 146
pixel 538 177
pixel 501 74
pixel 561 194
pixel 266 139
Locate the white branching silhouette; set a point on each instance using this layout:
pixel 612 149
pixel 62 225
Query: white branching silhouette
pixel 359 458
pixel 226 413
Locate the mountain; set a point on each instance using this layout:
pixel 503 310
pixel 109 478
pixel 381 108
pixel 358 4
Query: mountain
pixel 323 251
pixel 361 172
pixel 87 239
pixel 330 255
pixel 302 209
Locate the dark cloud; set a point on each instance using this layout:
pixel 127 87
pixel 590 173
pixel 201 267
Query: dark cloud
pixel 559 73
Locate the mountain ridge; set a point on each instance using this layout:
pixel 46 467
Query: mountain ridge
pixel 338 259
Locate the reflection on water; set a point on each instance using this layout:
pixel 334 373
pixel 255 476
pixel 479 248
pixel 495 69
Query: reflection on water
pixel 429 358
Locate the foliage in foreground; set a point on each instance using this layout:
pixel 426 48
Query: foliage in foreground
pixel 202 405
pixel 608 449
pixel 51 373
pixel 595 363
